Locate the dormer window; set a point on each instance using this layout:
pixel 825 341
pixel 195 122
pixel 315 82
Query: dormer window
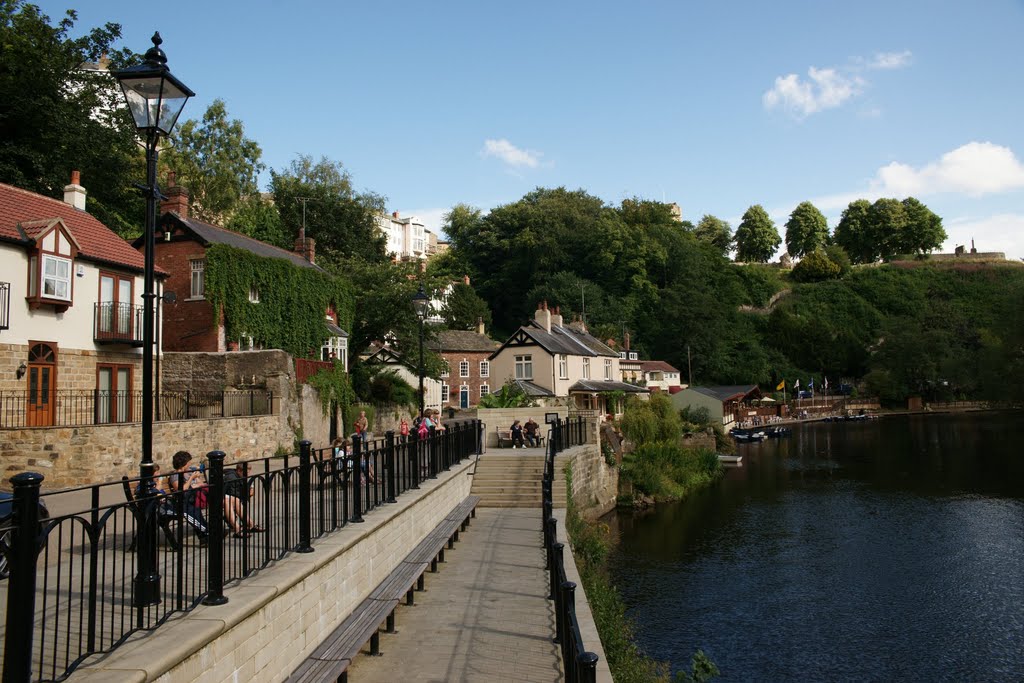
pixel 51 263
pixel 632 355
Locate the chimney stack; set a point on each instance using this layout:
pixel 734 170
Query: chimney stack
pixel 177 198
pixel 480 325
pixel 556 317
pixel 543 316
pixel 306 248
pixel 74 194
pixel 626 340
pixel 465 279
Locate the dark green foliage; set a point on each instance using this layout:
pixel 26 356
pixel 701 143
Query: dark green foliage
pixel 293 300
pixel 760 283
pixel 815 267
pixel 463 308
pixel 648 421
pixel 806 230
pixel 714 231
pixel 854 235
pixel 56 117
pixel 509 396
pixel 665 471
pixel 837 255
pixel 757 238
pixel 258 218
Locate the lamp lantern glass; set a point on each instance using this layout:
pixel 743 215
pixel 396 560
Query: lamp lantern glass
pixel 421 303
pixel 154 95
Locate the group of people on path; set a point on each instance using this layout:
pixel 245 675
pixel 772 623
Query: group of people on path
pixel 523 434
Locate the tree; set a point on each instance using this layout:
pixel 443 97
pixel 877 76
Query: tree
pixel 757 239
pixel 854 235
pixel 806 230
pixel 815 267
pixel 924 231
pixel 463 308
pixel 714 231
pixel 57 115
pixel 258 218
pixel 343 222
pixel 887 221
pixel 216 162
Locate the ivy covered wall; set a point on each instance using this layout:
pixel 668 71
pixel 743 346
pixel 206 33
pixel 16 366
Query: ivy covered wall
pixel 292 300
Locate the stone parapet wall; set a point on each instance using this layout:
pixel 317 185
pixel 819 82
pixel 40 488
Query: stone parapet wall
pixel 502 418
pixel 275 619
pixel 595 485
pixel 91 454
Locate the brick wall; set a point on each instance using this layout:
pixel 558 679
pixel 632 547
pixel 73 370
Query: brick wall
pixel 187 325
pixel 455 381
pixel 275 619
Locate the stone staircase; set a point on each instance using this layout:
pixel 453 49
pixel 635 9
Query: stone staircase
pixel 512 479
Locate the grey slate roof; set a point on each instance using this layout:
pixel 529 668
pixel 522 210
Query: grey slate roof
pixel 335 330
pixel 463 340
pixel 212 234
pixel 531 389
pixel 597 386
pixel 564 339
pixel 727 392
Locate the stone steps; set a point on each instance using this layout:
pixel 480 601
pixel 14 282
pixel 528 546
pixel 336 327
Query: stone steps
pixel 507 480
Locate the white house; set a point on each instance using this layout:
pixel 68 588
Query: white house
pixel 70 314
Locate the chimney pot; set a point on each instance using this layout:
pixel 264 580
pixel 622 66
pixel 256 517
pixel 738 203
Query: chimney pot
pixel 76 178
pixel 394 214
pixel 177 198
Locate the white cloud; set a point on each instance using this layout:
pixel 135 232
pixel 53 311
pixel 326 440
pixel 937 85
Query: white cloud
pixel 825 89
pixel 830 87
pixel 889 60
pixel 510 154
pixel 974 169
pixel 1001 232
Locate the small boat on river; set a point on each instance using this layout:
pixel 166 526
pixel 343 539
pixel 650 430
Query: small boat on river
pixel 730 459
pixel 778 432
pixel 747 435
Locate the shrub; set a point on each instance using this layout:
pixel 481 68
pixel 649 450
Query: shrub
pixel 815 267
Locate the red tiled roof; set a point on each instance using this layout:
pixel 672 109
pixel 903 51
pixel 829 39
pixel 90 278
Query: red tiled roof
pixel 96 241
pixel 656 365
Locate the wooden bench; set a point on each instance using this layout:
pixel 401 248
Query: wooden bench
pixel 330 660
pixel 505 438
pixel 163 519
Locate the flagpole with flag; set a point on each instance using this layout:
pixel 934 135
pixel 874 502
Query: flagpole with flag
pixel 782 386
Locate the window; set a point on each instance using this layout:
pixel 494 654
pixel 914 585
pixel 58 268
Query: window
pixel 445 369
pixel 586 368
pixel 484 390
pixel 563 366
pixel 464 368
pixel 632 355
pixel 524 367
pixel 446 393
pixel 254 295
pixel 335 348
pixel 113 393
pixel 485 369
pixel 607 368
pixel 56 277
pixel 622 355
pixel 198 282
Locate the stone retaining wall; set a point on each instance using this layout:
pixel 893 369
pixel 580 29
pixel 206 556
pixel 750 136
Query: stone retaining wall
pixel 595 485
pixel 91 454
pixel 274 620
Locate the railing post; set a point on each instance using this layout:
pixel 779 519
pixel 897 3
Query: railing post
pixel 215 549
pixel 556 564
pixel 568 599
pixel 586 667
pixel 479 436
pixel 357 488
pixel 305 493
pixel 21 589
pixel 551 529
pixel 415 443
pixel 389 441
pixel 432 453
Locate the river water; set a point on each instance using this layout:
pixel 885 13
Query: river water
pixel 887 550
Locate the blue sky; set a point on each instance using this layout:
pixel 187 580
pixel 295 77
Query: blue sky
pixel 714 105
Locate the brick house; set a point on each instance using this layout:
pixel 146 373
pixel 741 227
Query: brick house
pixel 70 313
pixel 468 375
pixel 190 322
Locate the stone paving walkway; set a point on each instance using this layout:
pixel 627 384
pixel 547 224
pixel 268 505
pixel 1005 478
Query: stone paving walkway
pixel 483 617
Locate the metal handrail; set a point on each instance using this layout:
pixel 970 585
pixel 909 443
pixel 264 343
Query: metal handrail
pixel 580 665
pixel 73 589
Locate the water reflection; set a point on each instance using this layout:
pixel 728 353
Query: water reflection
pixel 885 550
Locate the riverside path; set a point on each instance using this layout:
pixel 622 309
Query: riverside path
pixel 483 617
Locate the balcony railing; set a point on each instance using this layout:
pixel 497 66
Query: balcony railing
pixel 5 305
pixel 72 408
pixel 115 323
pixel 304 369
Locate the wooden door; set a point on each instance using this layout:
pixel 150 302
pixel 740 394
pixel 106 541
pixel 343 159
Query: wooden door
pixel 42 385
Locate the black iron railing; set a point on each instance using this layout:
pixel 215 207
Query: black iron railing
pixel 77 583
pixel 580 665
pixel 5 305
pixel 74 408
pixel 115 323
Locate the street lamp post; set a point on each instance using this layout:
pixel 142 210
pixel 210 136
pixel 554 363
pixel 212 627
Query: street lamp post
pixel 421 304
pixel 155 98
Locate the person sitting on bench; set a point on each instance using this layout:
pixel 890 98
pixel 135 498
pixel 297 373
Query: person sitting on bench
pixel 190 481
pixel 236 497
pixel 530 429
pixel 516 432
